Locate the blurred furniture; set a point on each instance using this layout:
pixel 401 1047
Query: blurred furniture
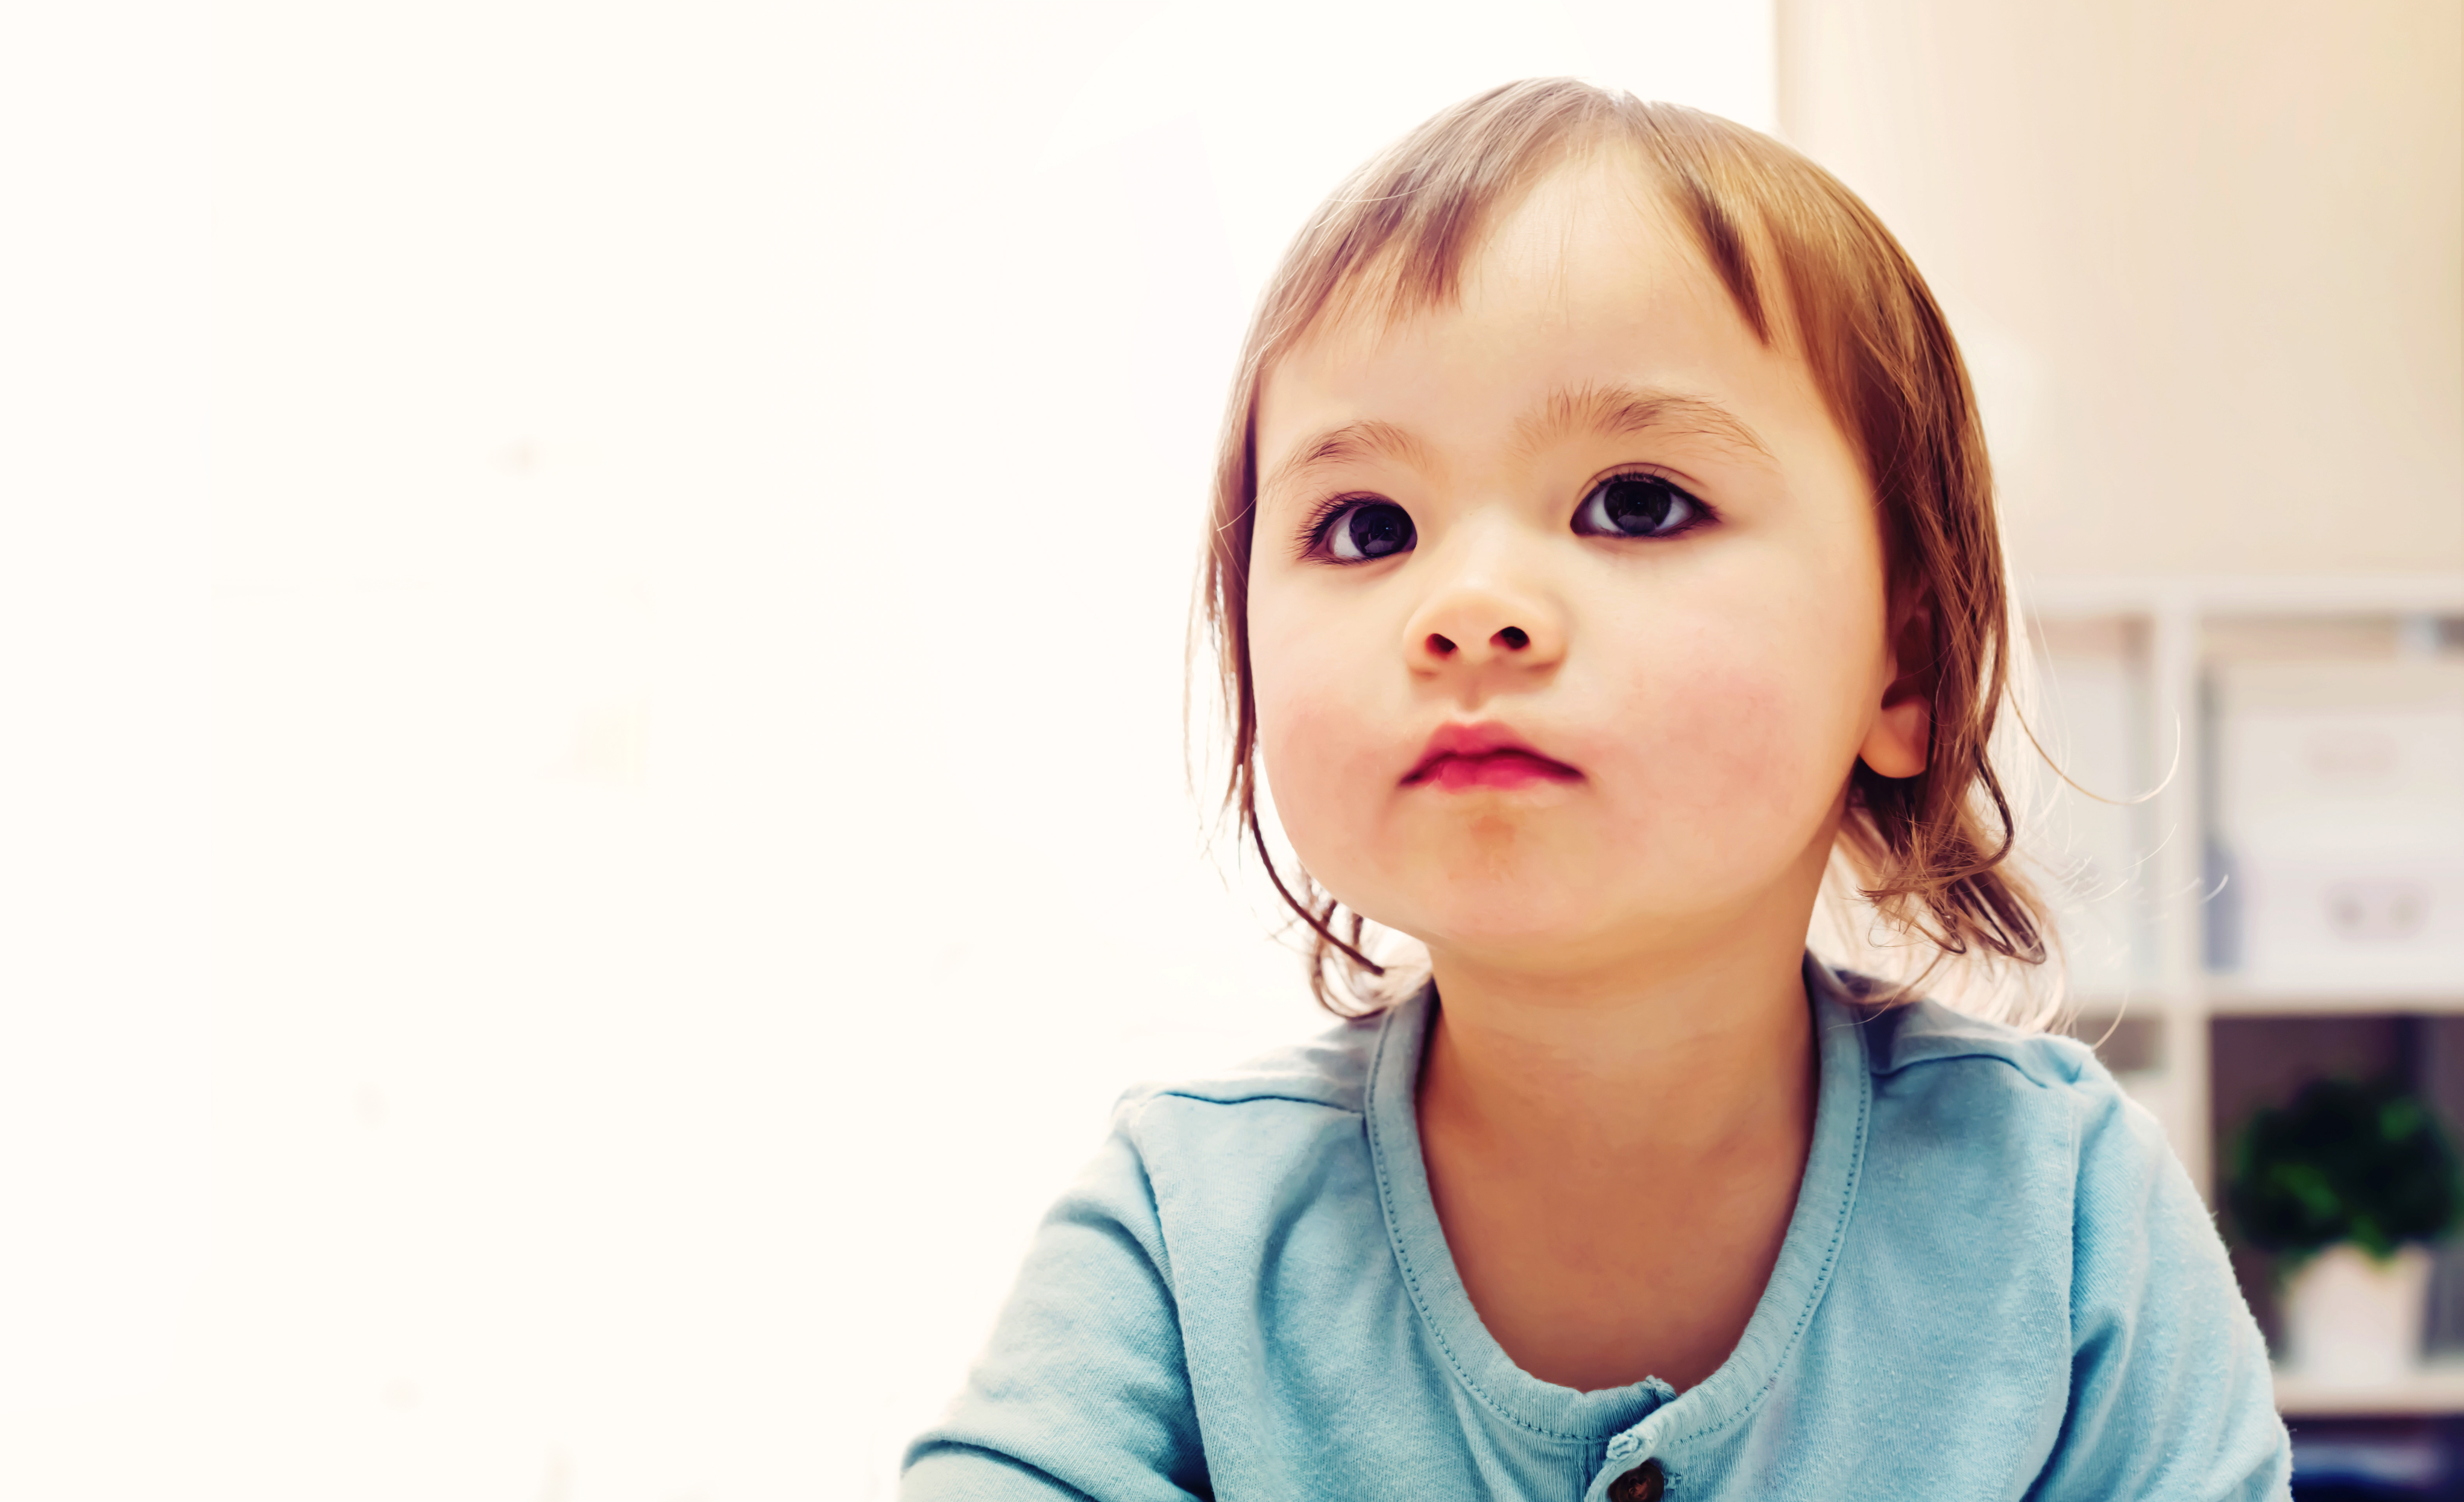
pixel 2286 896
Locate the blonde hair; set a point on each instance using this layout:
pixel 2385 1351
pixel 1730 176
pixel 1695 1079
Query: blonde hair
pixel 1802 258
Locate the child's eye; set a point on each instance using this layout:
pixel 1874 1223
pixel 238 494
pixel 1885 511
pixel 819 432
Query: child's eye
pixel 1635 505
pixel 1366 530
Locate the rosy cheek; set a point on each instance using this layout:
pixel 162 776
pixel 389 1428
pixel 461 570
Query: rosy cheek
pixel 1298 718
pixel 1314 745
pixel 1326 750
pixel 1728 747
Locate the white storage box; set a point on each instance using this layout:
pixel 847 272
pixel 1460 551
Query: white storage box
pixel 2332 924
pixel 2340 818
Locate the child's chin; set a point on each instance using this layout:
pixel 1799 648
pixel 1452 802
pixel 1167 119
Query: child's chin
pixel 1549 928
pixel 1510 934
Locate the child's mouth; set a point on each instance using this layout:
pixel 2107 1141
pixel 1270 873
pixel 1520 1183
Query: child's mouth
pixel 1490 769
pixel 1459 757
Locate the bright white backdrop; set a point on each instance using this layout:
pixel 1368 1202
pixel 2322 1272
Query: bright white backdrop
pixel 705 502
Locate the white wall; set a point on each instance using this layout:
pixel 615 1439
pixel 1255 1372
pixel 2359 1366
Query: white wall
pixel 706 503
pixel 2202 254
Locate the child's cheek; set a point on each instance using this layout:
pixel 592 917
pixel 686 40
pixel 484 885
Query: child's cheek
pixel 1325 761
pixel 1722 756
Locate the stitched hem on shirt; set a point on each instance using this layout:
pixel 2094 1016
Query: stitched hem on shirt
pixel 1204 1098
pixel 1829 1254
pixel 1429 1319
pixel 1817 1285
pixel 1007 1460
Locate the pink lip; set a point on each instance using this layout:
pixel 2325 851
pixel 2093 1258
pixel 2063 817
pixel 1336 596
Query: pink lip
pixel 1459 757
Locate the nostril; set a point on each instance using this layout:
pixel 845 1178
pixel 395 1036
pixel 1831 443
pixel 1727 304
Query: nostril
pixel 1515 638
pixel 1439 646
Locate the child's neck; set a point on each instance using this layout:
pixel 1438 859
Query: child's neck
pixel 1616 1159
pixel 1675 1055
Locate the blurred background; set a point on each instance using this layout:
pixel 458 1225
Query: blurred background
pixel 592 621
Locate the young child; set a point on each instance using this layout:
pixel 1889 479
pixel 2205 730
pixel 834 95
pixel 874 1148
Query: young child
pixel 1602 539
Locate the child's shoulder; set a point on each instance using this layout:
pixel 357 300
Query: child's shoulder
pixel 1330 1071
pixel 1909 1035
pixel 1958 1094
pixel 1997 1081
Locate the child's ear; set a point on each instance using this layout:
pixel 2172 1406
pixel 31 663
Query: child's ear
pixel 1903 734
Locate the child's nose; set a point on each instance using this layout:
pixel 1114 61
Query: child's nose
pixel 1513 639
pixel 1465 628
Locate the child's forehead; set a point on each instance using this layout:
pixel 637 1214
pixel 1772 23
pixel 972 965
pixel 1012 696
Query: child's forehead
pixel 1590 267
pixel 1597 225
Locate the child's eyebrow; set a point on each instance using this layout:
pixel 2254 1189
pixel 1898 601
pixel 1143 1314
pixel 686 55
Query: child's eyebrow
pixel 1616 411
pixel 1340 445
pixel 1604 411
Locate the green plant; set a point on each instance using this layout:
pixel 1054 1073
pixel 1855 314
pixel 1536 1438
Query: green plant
pixel 2344 1161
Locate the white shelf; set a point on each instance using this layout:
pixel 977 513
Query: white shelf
pixel 2227 999
pixel 2176 613
pixel 2253 594
pixel 2221 998
pixel 2177 631
pixel 2433 1389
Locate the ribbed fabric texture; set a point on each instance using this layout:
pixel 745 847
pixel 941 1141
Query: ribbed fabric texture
pixel 1997 1283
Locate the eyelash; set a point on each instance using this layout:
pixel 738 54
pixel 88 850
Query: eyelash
pixel 1703 510
pixel 1322 519
pixel 1324 516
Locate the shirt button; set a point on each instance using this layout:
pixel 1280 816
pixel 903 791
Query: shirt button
pixel 1643 1484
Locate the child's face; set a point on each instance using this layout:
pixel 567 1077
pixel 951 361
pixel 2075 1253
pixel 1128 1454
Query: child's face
pixel 1586 514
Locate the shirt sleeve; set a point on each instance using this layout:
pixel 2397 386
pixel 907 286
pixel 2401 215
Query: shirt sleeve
pixel 2170 1390
pixel 1083 1391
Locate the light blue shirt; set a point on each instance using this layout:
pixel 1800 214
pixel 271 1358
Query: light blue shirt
pixel 1996 1283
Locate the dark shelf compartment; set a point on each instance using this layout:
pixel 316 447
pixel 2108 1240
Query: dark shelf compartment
pixel 2378 1460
